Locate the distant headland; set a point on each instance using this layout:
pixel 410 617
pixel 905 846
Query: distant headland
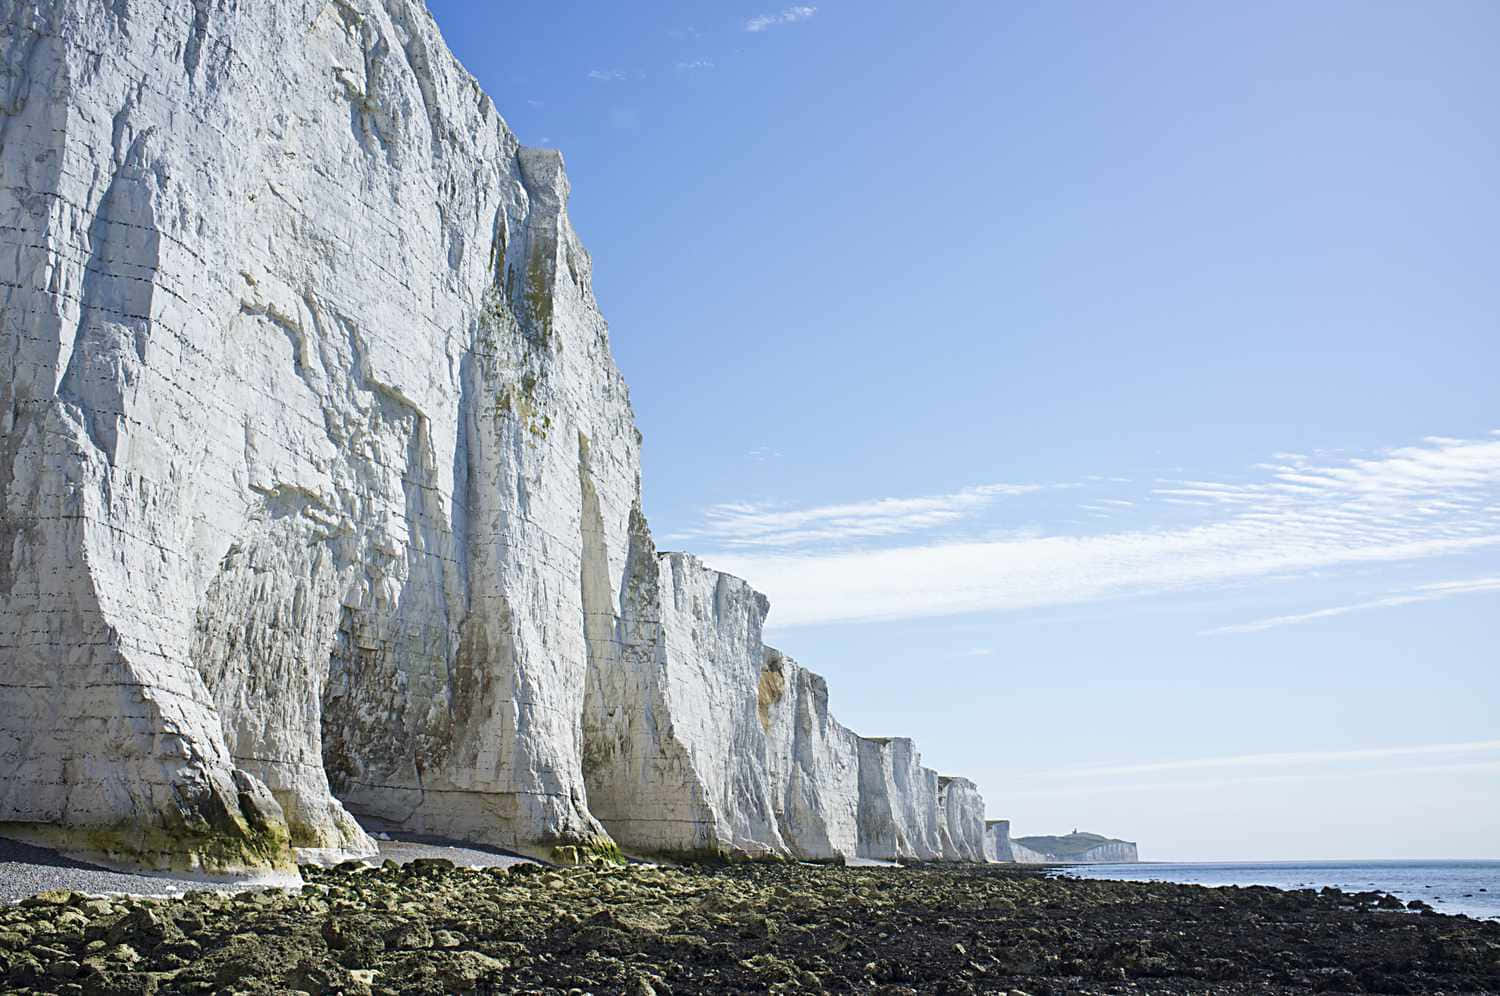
pixel 1075 848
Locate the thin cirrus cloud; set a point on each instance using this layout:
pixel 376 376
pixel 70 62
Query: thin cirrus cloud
pixel 1276 760
pixel 1415 596
pixel 789 15
pixel 749 526
pixel 862 561
pixel 759 23
pixel 1178 787
pixel 1252 768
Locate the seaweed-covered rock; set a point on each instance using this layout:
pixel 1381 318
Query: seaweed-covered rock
pixel 793 927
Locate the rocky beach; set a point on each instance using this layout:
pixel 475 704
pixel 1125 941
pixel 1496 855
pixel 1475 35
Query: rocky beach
pixel 430 926
pixel 322 520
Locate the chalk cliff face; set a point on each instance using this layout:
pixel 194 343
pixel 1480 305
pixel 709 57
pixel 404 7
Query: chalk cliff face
pixel 1023 855
pixel 962 811
pixel 997 840
pixel 1001 846
pixel 310 429
pixel 813 763
pixel 1074 848
pixel 319 488
pixel 1115 852
pixel 675 752
pixel 898 802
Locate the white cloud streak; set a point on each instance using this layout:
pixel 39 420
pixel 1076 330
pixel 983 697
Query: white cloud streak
pixel 789 15
pixel 1436 499
pixel 1137 788
pixel 1416 596
pixel 762 526
pixel 1275 760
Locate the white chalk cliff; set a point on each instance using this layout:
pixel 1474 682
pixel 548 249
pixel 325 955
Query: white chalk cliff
pixel 1077 848
pixel 320 490
pixel 813 763
pixel 1002 847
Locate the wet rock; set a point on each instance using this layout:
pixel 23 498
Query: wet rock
pixel 429 866
pixel 739 928
pixel 640 985
pixel 52 898
pixel 142 927
pixel 448 939
pixel 467 967
pixel 320 976
pixel 409 936
pixel 114 983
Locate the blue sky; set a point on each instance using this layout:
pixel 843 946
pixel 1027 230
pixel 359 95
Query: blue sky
pixel 1107 396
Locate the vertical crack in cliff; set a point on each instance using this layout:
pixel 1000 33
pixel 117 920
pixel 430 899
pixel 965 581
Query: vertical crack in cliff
pixel 772 686
pixel 120 279
pixel 599 621
pixel 196 35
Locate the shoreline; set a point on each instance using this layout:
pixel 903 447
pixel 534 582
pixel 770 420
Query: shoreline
pixel 27 870
pixel 1469 887
pixel 1288 862
pixel 432 926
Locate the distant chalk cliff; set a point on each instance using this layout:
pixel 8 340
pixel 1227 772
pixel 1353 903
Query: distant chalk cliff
pixel 1074 848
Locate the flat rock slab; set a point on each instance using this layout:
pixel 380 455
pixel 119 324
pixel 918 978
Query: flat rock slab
pixel 405 850
pixel 26 870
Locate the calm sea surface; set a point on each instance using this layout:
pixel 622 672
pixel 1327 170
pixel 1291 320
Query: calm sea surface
pixel 1471 887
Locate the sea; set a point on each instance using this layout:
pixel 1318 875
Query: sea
pixel 1468 887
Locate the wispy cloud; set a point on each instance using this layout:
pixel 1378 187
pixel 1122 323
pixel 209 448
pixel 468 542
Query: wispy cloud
pixel 1204 785
pixel 1218 772
pixel 789 15
pixel 1415 596
pixel 1274 760
pixel 821 564
pixel 606 75
pixel 743 526
pixel 695 64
